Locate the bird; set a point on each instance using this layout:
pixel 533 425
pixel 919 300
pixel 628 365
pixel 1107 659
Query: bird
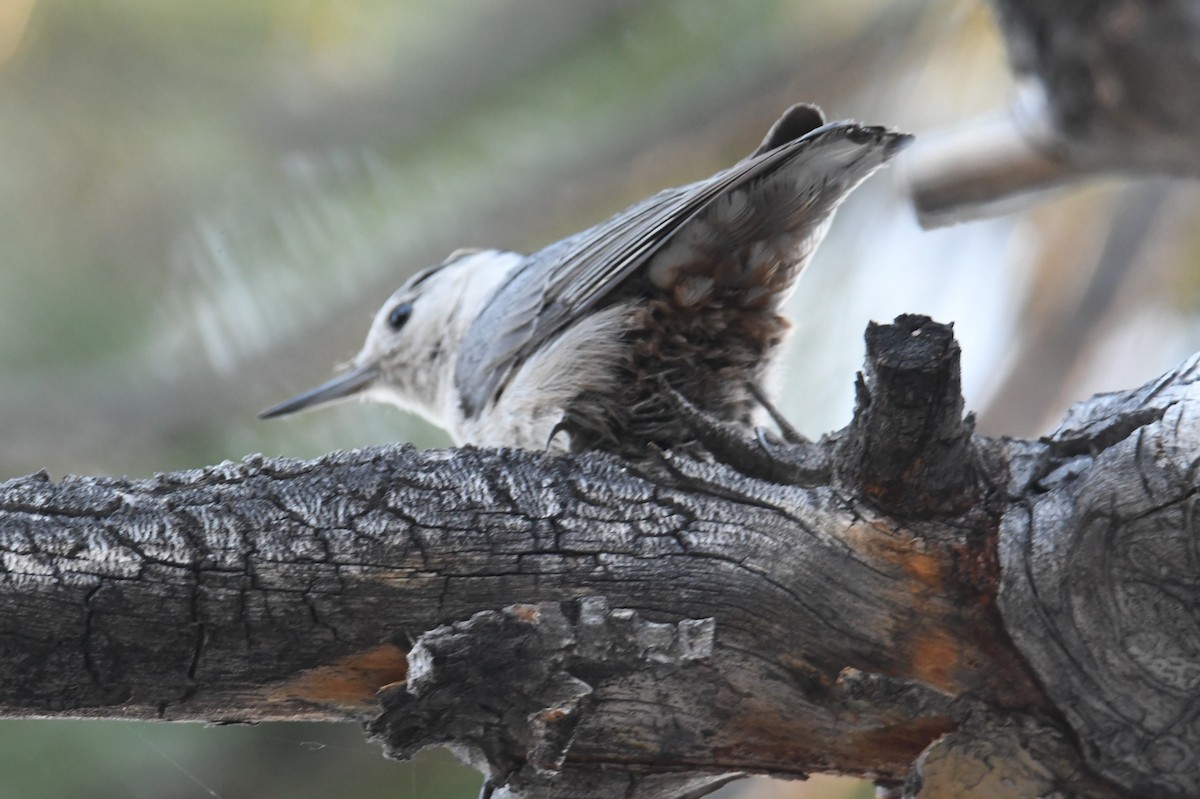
pixel 577 346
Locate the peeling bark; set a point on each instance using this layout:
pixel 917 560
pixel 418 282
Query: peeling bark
pixel 928 609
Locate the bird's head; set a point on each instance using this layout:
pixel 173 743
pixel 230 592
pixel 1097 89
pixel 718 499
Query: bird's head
pixel 411 349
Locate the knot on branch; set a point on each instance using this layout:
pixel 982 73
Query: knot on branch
pixel 909 447
pixel 515 692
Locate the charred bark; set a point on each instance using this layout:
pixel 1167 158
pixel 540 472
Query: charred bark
pixel 937 611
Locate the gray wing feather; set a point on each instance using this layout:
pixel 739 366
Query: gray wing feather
pixel 559 283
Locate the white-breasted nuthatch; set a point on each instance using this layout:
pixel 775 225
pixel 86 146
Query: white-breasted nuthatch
pixel 569 348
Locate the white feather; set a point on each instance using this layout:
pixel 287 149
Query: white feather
pixel 579 361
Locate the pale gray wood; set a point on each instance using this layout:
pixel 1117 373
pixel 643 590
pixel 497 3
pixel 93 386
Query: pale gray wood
pixel 1101 590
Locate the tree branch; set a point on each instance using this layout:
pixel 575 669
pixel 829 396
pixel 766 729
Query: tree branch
pixel 1101 577
pixel 580 626
pixel 1107 87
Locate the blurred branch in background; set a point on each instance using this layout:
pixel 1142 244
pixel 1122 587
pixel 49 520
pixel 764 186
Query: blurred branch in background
pixel 1105 91
pixel 1108 88
pixel 203 204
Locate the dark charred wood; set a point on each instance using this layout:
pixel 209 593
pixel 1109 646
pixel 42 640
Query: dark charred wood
pixel 944 610
pixel 909 448
pixel 552 663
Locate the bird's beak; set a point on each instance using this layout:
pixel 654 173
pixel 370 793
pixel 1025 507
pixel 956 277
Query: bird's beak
pixel 343 386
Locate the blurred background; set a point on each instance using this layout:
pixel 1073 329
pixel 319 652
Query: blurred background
pixel 202 205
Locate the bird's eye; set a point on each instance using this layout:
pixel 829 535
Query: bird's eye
pixel 399 315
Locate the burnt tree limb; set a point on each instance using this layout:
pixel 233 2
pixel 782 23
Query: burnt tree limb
pixel 908 445
pixel 934 610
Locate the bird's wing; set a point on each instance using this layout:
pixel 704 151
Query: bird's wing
pixel 800 160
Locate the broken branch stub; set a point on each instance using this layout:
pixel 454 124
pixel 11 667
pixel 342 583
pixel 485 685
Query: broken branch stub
pixel 908 447
pixel 511 691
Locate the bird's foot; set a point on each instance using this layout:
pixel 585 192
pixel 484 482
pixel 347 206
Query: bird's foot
pixel 792 462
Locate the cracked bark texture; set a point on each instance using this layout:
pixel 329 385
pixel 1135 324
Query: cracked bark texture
pixel 943 613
